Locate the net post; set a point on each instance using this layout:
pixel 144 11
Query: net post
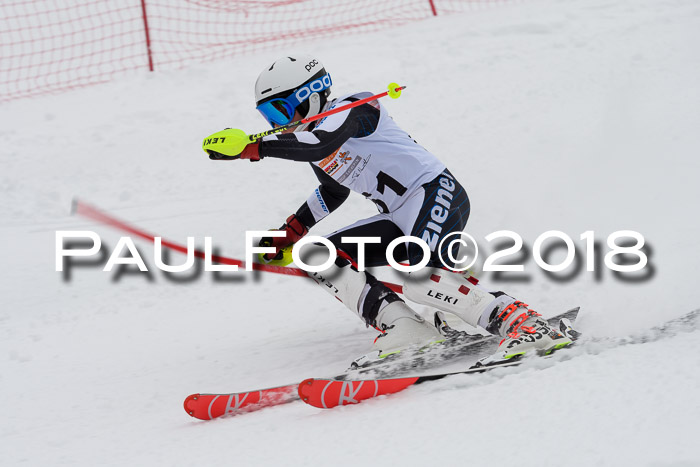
pixel 432 7
pixel 148 38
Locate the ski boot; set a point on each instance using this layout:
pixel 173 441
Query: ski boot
pixel 524 332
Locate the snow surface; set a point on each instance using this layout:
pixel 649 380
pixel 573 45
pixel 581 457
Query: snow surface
pixel 569 115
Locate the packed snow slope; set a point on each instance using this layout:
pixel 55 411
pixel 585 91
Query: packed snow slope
pixel 578 115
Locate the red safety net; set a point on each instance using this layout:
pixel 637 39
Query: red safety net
pixel 49 46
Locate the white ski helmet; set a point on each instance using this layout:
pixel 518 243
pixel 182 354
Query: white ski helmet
pixel 299 83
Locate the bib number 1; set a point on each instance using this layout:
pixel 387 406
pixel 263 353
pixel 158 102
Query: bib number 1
pixel 383 181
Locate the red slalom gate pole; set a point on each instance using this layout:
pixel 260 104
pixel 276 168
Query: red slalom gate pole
pixel 91 212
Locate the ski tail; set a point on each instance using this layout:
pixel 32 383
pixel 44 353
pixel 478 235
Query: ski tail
pixel 329 393
pixel 211 406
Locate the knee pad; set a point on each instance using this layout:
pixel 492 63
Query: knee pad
pixel 454 293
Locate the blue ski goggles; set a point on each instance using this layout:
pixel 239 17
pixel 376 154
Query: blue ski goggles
pixel 280 110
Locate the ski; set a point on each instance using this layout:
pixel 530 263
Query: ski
pixel 211 406
pixel 329 393
pixel 462 346
pixel 332 392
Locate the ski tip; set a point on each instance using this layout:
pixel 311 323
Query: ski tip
pixel 189 402
pixel 304 388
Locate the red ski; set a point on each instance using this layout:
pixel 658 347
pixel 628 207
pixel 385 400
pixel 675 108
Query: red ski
pixel 326 393
pixel 329 393
pixel 210 406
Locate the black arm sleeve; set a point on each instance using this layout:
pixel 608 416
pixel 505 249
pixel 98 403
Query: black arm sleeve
pixel 333 194
pixel 360 121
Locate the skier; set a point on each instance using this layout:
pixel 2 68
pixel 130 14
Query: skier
pixel 362 149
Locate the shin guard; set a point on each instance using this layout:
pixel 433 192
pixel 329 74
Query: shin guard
pixel 455 293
